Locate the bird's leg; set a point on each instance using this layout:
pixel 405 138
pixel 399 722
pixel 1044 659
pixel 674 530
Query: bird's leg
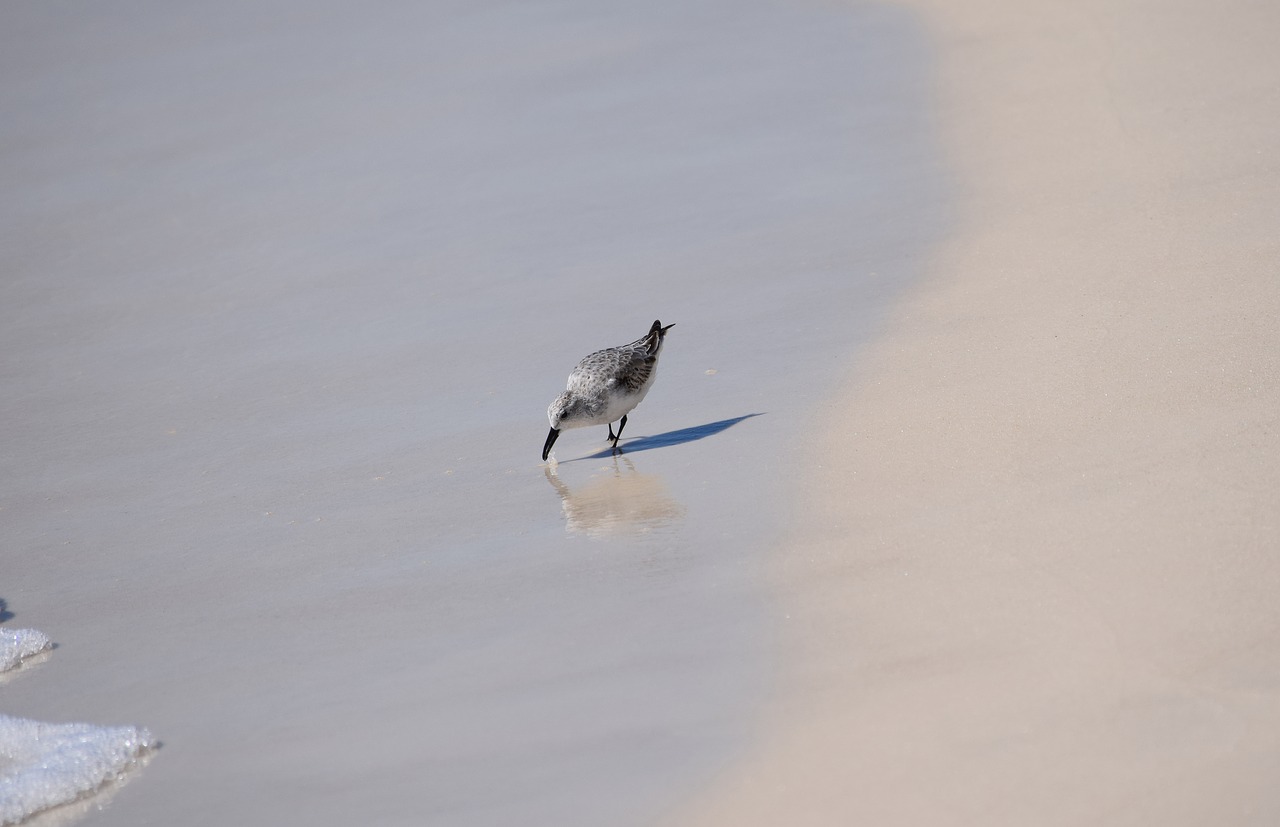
pixel 621 425
pixel 611 436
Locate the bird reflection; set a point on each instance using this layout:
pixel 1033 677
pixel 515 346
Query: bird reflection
pixel 619 501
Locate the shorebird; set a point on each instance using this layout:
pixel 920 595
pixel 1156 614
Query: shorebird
pixel 606 386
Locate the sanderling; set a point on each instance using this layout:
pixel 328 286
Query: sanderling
pixel 607 385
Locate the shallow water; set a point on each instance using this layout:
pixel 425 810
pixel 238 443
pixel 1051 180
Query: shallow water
pixel 287 291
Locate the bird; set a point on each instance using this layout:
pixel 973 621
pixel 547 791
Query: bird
pixel 606 386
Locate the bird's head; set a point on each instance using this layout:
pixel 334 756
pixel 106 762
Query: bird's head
pixel 556 410
pixel 562 410
pixel 565 410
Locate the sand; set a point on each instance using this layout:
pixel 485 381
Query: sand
pixel 288 287
pixel 1034 579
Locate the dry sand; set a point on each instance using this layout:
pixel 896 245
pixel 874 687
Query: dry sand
pixel 1036 580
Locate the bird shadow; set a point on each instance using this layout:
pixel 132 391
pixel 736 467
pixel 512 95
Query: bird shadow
pixel 664 440
pixel 5 614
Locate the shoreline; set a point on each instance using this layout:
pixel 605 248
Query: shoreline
pixel 1032 581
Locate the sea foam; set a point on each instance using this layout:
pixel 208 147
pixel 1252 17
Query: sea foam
pixel 16 644
pixel 45 765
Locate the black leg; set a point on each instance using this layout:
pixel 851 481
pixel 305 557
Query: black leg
pixel 621 425
pixel 611 436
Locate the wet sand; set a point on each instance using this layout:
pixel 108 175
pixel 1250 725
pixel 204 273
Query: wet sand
pixel 1035 578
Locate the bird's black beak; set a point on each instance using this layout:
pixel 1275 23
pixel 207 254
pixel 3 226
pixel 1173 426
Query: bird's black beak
pixel 551 440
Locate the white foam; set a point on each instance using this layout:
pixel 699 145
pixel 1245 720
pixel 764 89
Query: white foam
pixel 16 644
pixel 45 765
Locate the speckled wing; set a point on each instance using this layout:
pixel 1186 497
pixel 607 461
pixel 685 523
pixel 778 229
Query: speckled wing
pixel 628 367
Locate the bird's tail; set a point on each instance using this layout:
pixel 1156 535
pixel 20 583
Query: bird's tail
pixel 657 332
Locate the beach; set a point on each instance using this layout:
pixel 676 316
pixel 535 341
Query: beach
pixel 1035 581
pixel 954 501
